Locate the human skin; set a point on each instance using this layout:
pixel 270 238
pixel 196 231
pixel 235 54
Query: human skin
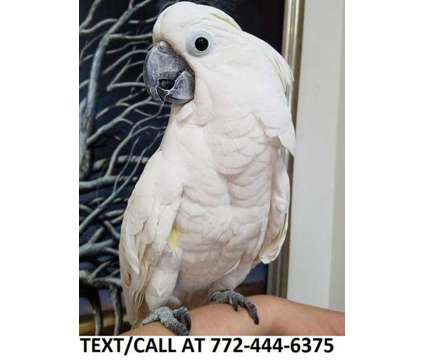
pixel 277 317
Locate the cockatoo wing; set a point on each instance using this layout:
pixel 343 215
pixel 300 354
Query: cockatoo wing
pixel 146 229
pixel 275 117
pixel 273 109
pixel 278 214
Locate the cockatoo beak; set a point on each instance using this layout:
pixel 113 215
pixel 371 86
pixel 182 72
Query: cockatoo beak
pixel 167 76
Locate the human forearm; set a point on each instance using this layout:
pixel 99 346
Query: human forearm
pixel 277 317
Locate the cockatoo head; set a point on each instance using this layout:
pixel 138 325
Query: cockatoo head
pixel 199 49
pixel 188 39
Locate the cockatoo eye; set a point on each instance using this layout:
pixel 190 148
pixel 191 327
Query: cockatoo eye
pixel 199 43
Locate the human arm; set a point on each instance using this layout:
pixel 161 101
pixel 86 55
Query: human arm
pixel 277 317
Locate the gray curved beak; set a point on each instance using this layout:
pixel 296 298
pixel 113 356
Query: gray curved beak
pixel 167 76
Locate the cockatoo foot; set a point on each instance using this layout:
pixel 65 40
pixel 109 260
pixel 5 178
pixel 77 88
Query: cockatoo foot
pixel 178 321
pixel 235 299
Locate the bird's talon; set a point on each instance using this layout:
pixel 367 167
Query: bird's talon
pixel 235 299
pixel 183 315
pixel 178 321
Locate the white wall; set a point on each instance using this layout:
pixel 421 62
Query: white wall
pixel 316 262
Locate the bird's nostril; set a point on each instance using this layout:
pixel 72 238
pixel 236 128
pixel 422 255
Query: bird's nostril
pixel 166 84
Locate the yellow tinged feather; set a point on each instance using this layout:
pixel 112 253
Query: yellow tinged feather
pixel 173 238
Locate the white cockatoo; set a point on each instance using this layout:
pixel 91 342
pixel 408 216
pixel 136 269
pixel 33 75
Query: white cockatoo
pixel 212 201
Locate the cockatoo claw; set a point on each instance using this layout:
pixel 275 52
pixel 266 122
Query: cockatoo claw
pixel 178 321
pixel 235 299
pixel 183 315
